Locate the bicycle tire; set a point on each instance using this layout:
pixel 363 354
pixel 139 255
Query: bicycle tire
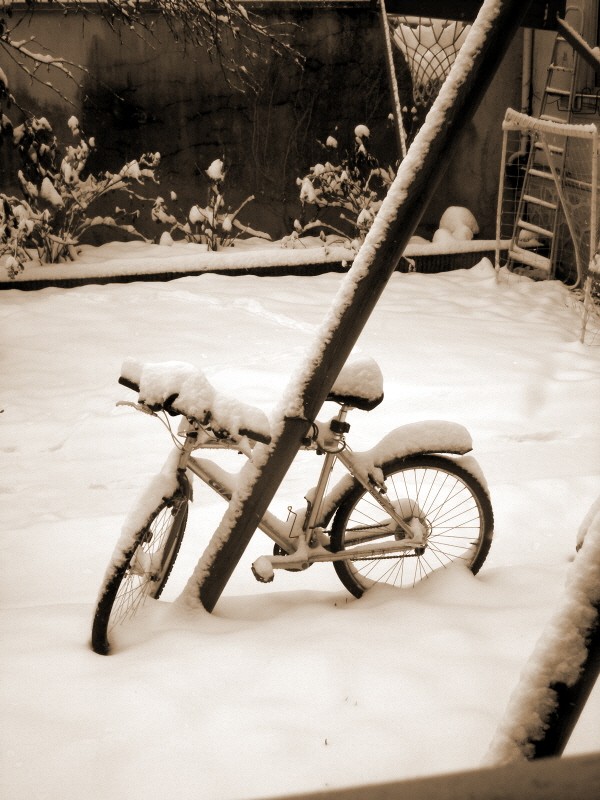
pixel 143 569
pixel 449 500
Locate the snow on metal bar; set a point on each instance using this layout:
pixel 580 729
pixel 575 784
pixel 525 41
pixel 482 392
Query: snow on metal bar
pixel 561 672
pixel 516 121
pixel 400 213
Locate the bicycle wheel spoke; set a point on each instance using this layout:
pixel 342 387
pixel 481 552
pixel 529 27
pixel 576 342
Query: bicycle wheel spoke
pixel 144 574
pixel 454 514
pixel 136 585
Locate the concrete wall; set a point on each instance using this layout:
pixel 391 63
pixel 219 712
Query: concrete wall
pixel 178 103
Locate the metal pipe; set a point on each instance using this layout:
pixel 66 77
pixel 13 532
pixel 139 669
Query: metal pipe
pixel 416 182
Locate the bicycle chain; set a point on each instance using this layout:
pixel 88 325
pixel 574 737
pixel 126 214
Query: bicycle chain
pixel 385 558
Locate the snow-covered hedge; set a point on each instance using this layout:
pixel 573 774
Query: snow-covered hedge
pixel 59 194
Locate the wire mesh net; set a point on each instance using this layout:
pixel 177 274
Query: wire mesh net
pixel 430 47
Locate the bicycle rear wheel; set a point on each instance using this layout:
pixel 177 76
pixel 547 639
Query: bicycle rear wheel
pixel 143 569
pixel 448 503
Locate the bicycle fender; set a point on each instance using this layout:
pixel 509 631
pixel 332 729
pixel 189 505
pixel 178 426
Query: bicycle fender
pixel 430 436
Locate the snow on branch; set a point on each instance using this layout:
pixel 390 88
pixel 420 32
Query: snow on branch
pixel 230 34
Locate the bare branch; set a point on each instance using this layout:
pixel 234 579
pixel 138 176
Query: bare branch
pixel 232 36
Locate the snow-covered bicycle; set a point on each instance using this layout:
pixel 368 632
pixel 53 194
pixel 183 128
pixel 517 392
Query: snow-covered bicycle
pixel 412 504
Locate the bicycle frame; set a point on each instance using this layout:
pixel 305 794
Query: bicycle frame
pixel 304 541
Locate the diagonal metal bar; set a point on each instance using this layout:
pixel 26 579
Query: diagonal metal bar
pixel 416 181
pixel 570 700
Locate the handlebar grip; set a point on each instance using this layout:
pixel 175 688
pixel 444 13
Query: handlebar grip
pixel 167 405
pixel 129 384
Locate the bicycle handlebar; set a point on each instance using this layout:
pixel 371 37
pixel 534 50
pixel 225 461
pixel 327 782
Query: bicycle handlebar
pixel 186 392
pixel 166 405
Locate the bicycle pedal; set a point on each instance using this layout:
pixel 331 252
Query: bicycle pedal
pixel 262 570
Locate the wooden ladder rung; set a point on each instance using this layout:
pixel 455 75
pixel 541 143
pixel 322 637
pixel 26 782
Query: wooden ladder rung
pixel 531 259
pixel 540 173
pixel 528 198
pixel 553 149
pixel 529 226
pixel 550 118
pixel 556 90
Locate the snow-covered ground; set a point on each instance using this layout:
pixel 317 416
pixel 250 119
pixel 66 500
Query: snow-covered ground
pixel 294 685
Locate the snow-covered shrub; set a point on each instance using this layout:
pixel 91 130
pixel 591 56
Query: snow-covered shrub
pixel 59 194
pixel 352 186
pixel 21 228
pixel 215 224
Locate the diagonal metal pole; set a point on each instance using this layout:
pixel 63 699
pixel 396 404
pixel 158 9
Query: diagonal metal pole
pixel 399 215
pixel 569 700
pixel 562 671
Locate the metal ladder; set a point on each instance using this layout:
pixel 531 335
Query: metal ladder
pixel 534 238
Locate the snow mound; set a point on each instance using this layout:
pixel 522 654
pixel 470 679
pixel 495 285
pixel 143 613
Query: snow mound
pixel 443 236
pixel 455 218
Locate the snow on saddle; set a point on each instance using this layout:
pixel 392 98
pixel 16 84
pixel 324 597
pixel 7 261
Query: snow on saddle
pixel 359 385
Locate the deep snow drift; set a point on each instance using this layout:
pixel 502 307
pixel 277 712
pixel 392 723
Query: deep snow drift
pixel 295 685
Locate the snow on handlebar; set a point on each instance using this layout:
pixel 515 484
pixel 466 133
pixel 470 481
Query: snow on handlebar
pixel 181 388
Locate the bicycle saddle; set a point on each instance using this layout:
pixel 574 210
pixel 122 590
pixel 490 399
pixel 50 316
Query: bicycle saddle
pixel 359 384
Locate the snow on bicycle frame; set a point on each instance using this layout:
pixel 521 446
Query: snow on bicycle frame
pixel 181 388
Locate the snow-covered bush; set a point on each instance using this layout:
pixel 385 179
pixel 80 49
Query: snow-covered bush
pixel 59 194
pixel 214 224
pixel 352 186
pixel 21 228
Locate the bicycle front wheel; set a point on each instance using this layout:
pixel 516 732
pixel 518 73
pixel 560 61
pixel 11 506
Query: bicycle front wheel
pixel 447 504
pixel 144 568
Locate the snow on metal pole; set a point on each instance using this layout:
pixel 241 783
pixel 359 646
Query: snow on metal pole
pixel 399 215
pixel 570 700
pixel 563 667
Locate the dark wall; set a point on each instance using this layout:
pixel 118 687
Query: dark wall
pixel 151 95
